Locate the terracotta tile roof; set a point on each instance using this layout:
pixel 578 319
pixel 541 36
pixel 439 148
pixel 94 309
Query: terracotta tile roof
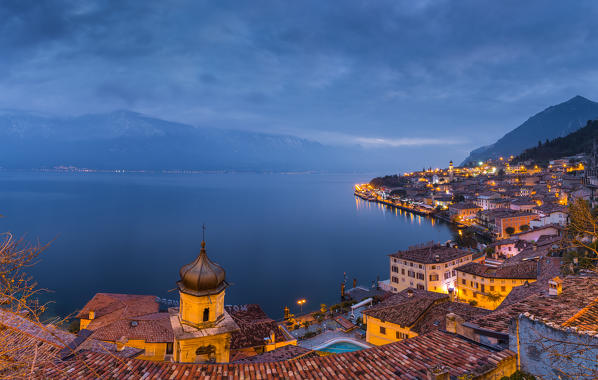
pixel 110 307
pixel 20 338
pixel 550 267
pixel 523 270
pixel 288 352
pixel 429 254
pixel 577 304
pixel 408 359
pixel 405 310
pixel 254 326
pixel 152 328
pixel 435 317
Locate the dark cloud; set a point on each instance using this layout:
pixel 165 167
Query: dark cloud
pixel 469 70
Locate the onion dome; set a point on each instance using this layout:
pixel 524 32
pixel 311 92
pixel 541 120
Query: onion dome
pixel 202 277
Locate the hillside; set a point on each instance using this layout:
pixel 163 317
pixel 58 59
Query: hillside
pixel 553 122
pixel 580 141
pixel 133 141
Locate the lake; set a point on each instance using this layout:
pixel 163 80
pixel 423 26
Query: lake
pixel 280 237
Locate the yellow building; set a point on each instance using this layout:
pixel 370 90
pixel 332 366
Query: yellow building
pixel 429 267
pixel 411 313
pixel 487 287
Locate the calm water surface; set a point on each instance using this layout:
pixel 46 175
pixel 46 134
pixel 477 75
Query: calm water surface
pixel 279 237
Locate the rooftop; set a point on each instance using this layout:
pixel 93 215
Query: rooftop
pixel 576 306
pixel 410 358
pixel 523 270
pixel 254 326
pixel 431 254
pixel 110 307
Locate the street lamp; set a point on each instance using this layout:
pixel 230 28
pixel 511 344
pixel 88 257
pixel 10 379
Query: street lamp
pixel 300 303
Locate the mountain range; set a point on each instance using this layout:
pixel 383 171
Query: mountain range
pixel 133 141
pixel 556 121
pixel 580 141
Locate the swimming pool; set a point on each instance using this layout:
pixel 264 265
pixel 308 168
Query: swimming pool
pixel 341 347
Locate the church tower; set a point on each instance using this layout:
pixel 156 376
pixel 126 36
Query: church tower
pixel 451 174
pixel 201 326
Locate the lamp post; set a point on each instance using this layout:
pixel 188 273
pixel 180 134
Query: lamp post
pixel 300 303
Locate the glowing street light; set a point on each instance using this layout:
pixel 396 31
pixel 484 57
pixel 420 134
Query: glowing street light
pixel 300 303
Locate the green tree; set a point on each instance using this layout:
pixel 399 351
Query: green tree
pixel 510 230
pixel 524 227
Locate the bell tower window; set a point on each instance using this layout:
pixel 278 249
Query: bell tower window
pixel 206 314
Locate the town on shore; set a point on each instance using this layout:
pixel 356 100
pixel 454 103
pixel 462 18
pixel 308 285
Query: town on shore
pixel 512 297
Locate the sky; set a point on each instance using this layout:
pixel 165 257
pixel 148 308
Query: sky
pixel 435 76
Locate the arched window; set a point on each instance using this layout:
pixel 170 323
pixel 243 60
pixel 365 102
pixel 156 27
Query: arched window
pixel 206 314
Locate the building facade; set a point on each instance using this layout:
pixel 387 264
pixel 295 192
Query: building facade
pixel 431 267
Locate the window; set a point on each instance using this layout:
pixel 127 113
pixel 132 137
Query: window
pixel 420 266
pixel 403 271
pixel 411 264
pixel 206 314
pixel 475 295
pixel 420 286
pixel 420 276
pixel 464 281
pixel 433 266
pixel 482 288
pixel 168 348
pixel 447 275
pixel 411 273
pixel 434 277
pixel 491 280
pixel 404 262
pixel 395 269
pixel 503 288
pixel 400 335
pixel 476 285
pixel 446 265
pixel 395 280
pixel 454 273
pixel 491 288
pixel 464 292
pixel 382 330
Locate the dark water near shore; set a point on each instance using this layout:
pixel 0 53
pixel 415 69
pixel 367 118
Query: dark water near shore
pixel 280 237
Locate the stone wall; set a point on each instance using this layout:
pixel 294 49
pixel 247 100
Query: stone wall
pixel 550 351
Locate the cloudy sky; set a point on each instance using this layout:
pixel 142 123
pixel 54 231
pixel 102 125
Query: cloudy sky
pixel 435 74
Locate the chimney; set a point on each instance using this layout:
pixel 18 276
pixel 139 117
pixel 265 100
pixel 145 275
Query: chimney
pixel 354 282
pixel 120 344
pixel 555 287
pixel 454 323
pixel 438 372
pixel 409 292
pixel 92 314
pixel 272 337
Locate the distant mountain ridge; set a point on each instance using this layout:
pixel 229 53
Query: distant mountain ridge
pixel 555 121
pixel 580 141
pixel 129 140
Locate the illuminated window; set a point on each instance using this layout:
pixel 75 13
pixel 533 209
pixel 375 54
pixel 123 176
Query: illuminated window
pixel 382 330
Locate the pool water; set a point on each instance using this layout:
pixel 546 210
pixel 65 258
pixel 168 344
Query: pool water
pixel 341 347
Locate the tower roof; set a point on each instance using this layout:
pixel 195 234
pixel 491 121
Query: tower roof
pixel 202 277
